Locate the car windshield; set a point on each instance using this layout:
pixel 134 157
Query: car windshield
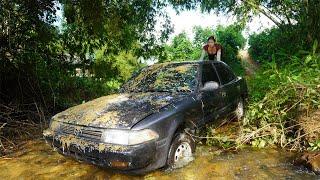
pixel 163 78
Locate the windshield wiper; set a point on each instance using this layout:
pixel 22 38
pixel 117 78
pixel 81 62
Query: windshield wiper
pixel 158 90
pixel 181 90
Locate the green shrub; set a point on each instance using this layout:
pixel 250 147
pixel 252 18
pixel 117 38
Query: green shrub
pixel 232 41
pixel 314 146
pixel 277 96
pixel 278 44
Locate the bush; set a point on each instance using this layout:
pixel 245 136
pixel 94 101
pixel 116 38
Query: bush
pixel 278 96
pixel 232 41
pixel 279 44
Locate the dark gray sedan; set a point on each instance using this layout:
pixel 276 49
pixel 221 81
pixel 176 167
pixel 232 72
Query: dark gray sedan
pixel 149 124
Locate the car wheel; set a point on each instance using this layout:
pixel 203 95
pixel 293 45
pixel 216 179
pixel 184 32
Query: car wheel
pixel 181 151
pixel 239 112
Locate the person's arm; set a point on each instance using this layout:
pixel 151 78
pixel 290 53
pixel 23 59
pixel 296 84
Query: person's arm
pixel 219 55
pixel 202 55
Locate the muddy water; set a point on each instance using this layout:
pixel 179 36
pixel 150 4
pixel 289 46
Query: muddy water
pixel 37 161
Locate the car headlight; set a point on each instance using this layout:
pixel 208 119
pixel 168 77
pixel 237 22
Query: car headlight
pixel 128 137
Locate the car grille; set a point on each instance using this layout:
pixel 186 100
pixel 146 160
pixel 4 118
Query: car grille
pixel 80 131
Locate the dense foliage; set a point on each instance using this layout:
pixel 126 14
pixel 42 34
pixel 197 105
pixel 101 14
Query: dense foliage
pixel 279 96
pixel 94 38
pixel 181 49
pixel 277 44
pixel 232 41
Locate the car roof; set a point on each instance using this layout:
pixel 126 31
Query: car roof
pixel 193 62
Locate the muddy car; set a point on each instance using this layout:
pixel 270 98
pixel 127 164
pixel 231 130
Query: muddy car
pixel 149 124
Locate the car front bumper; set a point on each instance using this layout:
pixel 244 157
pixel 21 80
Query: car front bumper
pixel 124 158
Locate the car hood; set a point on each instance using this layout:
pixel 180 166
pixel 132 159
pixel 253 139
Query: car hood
pixel 117 110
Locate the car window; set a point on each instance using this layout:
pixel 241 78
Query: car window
pixel 164 77
pixel 209 74
pixel 225 74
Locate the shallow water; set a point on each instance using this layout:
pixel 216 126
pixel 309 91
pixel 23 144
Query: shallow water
pixel 37 160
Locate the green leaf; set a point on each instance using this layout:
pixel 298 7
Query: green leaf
pixel 262 143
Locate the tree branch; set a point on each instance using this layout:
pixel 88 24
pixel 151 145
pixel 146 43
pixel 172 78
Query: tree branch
pixel 261 10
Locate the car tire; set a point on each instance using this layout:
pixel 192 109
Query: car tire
pixel 181 151
pixel 240 110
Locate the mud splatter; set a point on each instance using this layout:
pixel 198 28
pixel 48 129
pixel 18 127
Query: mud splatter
pixel 54 125
pixel 164 77
pixel 182 69
pixel 110 119
pixel 101 147
pixel 86 146
pixel 73 140
pixel 127 110
pixel 85 113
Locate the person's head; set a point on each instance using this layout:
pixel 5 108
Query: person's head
pixel 211 41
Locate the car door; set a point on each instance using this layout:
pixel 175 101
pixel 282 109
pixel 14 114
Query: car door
pixel 229 87
pixel 211 100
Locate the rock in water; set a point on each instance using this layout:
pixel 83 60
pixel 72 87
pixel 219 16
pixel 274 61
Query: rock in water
pixel 311 160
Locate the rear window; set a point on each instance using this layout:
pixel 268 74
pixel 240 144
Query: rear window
pixel 225 74
pixel 209 74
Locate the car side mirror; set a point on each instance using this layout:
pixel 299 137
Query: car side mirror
pixel 210 86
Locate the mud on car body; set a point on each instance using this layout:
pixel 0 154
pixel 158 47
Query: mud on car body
pixel 147 125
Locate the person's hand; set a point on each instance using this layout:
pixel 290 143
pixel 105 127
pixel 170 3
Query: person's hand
pixel 202 55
